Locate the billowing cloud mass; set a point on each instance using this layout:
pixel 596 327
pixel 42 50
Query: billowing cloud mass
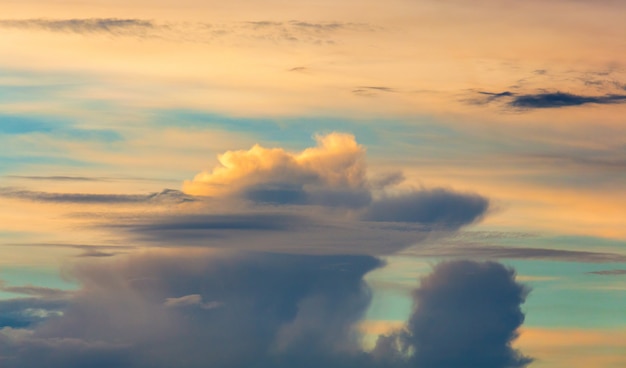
pixel 264 310
pixel 466 316
pixel 332 173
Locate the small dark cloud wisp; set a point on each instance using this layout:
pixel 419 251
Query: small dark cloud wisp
pixel 546 100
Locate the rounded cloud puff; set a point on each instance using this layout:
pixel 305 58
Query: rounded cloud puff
pixel 334 171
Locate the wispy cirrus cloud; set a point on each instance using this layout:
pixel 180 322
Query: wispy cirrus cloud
pixel 166 195
pixel 113 26
pixel 510 252
pixel 609 272
pixel 291 31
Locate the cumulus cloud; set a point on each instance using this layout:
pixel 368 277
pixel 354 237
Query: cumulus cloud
pixel 275 310
pixel 332 173
pixel 466 315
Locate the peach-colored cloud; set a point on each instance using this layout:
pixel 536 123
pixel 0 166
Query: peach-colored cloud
pixel 337 162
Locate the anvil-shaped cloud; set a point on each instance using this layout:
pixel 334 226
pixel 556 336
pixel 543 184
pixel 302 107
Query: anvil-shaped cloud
pixel 319 200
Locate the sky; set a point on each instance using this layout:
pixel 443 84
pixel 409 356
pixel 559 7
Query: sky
pixel 408 183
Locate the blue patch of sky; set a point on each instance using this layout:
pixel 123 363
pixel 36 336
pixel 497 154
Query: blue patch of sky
pixel 565 294
pixel 16 162
pixel 55 126
pixel 296 132
pixel 37 276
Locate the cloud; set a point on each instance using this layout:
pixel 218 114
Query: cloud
pixel 55 178
pixel 562 99
pixel 165 196
pixel 88 250
pixel 439 208
pixel 317 33
pixel 332 173
pixel 36 291
pixel 467 314
pixel 609 272
pixel 190 300
pixel 269 229
pixel 276 310
pixel 545 100
pixel 40 305
pixel 371 91
pixel 91 25
pixel 225 309
pixel 509 252
pixel 254 199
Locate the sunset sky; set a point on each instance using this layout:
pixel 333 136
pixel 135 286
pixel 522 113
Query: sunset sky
pixel 408 183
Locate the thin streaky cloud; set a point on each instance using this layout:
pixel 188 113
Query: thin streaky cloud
pixel 609 272
pixel 89 25
pixel 546 100
pixel 502 252
pixel 169 195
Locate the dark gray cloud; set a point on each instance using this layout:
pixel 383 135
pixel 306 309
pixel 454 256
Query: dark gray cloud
pixel 609 272
pixel 40 304
pixel 282 194
pixel 27 312
pixel 437 208
pixel 90 25
pixel 562 99
pixel 466 315
pixel 231 310
pixel 165 196
pixel 341 221
pixel 240 222
pixel 267 310
pixel 544 100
